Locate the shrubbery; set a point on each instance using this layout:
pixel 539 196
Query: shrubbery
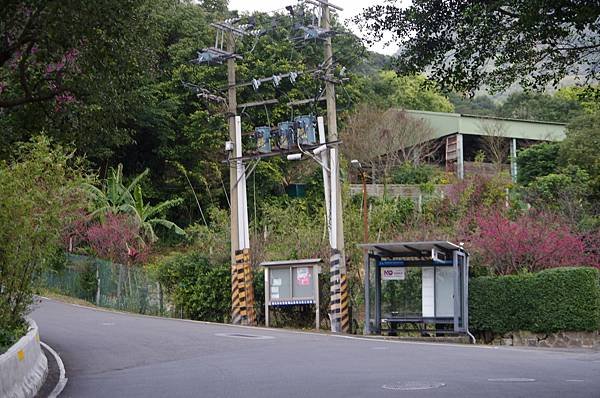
pixel 198 289
pixel 559 299
pixel 39 193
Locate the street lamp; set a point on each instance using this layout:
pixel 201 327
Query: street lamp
pixel 359 167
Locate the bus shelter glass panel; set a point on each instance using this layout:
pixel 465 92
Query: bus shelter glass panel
pixel 280 283
pixel 402 297
pixel 444 291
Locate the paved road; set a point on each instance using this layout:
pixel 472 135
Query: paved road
pixel 109 354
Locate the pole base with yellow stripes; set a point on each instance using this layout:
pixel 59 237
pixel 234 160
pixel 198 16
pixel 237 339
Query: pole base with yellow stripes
pixel 242 291
pixel 339 303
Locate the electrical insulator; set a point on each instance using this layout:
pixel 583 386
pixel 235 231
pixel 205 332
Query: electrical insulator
pixel 293 76
pixel 276 80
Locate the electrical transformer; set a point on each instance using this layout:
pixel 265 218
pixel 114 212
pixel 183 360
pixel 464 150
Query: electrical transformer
pixel 263 139
pixel 306 130
pixel 286 135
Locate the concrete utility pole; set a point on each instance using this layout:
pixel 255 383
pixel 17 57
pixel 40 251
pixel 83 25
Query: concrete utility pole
pixel 242 291
pixel 340 319
pixel 231 113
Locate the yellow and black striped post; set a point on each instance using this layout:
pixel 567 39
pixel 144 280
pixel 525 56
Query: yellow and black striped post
pixel 242 291
pixel 344 304
pixel 339 304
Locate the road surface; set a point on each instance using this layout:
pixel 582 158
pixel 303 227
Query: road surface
pixel 109 354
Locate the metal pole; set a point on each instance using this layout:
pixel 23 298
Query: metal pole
pixel 365 210
pixel 513 159
pixel 367 327
pixel 267 296
pixel 460 172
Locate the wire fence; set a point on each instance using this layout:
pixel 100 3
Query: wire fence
pixel 107 284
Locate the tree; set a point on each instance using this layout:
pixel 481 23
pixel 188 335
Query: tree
pixel 565 193
pixel 40 192
pixel 539 106
pixel 73 68
pixel 147 216
pixel 536 161
pixel 388 89
pixel 385 139
pixel 479 105
pixel 116 198
pixel 495 141
pixel 581 148
pixel 467 44
pixel 532 242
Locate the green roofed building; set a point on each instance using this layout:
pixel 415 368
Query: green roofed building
pixel 462 137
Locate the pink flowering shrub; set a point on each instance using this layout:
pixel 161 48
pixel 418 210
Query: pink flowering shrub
pixel 532 242
pixel 117 239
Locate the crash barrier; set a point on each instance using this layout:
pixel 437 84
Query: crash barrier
pixel 23 368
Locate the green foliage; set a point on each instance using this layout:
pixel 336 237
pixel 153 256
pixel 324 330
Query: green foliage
pixel 387 89
pixel 388 215
pixel 199 289
pixel 465 45
pixel 559 299
pixel 539 106
pixel 212 240
pixel 39 195
pixel 581 148
pixel 479 105
pixel 80 64
pixel 536 161
pixel 565 192
pixel 293 230
pixel 409 173
pixel 117 198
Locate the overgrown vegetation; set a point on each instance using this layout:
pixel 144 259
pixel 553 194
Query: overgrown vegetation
pixel 39 192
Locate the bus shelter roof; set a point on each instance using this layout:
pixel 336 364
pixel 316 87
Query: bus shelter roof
pixel 410 249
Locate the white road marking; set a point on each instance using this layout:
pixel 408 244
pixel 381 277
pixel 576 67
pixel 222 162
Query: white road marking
pixel 62 380
pixel 512 380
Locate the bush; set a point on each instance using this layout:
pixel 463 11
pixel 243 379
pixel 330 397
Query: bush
pixel 559 299
pixel 197 288
pixel 408 173
pixel 39 193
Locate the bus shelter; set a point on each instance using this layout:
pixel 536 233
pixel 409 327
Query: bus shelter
pixel 444 273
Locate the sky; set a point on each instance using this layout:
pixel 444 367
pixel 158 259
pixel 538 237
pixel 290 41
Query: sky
pixel 351 8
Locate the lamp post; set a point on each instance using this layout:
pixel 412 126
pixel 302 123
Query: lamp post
pixel 358 166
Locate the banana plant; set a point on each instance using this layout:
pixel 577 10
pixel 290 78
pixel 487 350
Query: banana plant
pixel 114 197
pixel 148 216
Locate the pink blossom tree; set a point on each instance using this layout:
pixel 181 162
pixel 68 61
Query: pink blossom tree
pixel 116 238
pixel 533 241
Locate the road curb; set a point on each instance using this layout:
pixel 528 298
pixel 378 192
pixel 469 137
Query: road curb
pixel 62 380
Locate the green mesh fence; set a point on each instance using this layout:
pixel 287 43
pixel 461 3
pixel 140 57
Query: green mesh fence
pixel 107 285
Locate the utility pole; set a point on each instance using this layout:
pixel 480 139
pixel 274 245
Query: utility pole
pixel 231 113
pixel 242 291
pixel 339 311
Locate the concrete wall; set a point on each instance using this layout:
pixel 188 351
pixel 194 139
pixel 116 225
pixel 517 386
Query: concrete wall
pixel 23 367
pixel 396 190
